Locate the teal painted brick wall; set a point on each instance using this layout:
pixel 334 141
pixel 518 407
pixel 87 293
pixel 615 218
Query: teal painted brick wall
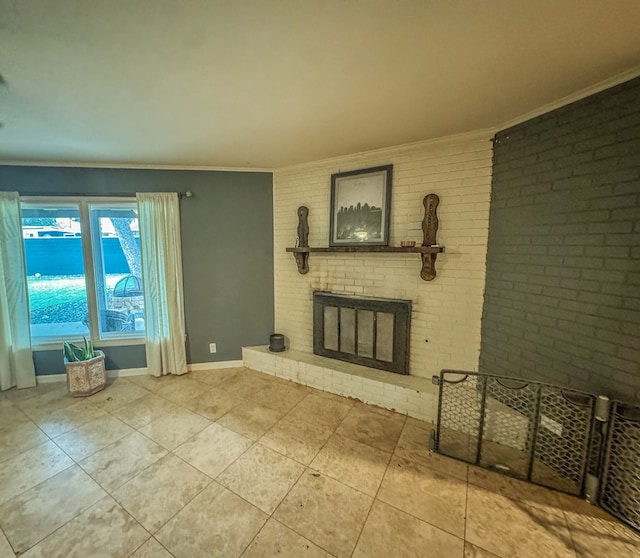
pixel 562 297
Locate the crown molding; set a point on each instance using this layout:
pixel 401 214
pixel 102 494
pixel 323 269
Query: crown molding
pixel 485 134
pixel 577 96
pixel 131 166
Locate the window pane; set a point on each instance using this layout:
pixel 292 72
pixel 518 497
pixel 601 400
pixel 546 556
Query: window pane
pixel 55 271
pixel 117 266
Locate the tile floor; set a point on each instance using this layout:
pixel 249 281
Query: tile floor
pixel 236 463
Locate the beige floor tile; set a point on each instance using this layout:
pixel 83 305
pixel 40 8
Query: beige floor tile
pixel 326 512
pixel 142 411
pixel 509 527
pixel 175 427
pixel 333 396
pixel 160 491
pixel 20 396
pixel 213 449
pixel 321 411
pixel 596 534
pixel 295 439
pixel 213 403
pixel 103 531
pixel 94 435
pixel 413 445
pixel 417 423
pixel 150 382
pixel 182 391
pixel 119 462
pixel 35 514
pixel 30 468
pixel 514 488
pixel 59 421
pixel 10 415
pixel 118 392
pixel 427 494
pixel 352 463
pixel 46 499
pixel 20 437
pixel 216 376
pixel 48 396
pixel 214 523
pixel 15 395
pixel 280 396
pixel 250 419
pixel 152 549
pixel 473 551
pixel 277 540
pixel 372 428
pixel 262 375
pixel 379 410
pixel 243 384
pixel 391 532
pixel 5 548
pixel 262 477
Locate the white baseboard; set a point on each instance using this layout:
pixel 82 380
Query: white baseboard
pixel 215 365
pixel 51 378
pixel 127 372
pixel 123 373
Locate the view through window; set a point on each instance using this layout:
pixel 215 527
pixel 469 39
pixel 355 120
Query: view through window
pixel 83 270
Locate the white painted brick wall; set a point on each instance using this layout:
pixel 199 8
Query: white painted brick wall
pixel 446 311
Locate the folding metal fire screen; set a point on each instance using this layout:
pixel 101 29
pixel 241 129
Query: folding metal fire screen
pixel 556 437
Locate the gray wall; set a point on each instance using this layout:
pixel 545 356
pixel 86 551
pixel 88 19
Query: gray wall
pixel 116 358
pixel 562 299
pixel 227 250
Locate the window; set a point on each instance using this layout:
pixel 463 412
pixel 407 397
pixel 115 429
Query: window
pixel 83 269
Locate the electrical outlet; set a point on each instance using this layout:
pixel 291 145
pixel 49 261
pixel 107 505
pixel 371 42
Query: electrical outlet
pixel 212 348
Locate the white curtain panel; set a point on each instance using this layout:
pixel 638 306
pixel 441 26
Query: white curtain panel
pixel 161 253
pixel 16 361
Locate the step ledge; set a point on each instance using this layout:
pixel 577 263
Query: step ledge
pixel 410 395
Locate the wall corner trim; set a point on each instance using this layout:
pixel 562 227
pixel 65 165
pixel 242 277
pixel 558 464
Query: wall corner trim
pixel 215 365
pixel 124 372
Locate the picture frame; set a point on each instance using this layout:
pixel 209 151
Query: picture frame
pixel 360 207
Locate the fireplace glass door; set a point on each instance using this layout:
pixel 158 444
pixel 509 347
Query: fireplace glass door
pixel 367 331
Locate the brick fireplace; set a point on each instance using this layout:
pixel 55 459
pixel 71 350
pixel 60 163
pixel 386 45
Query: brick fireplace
pixel 445 313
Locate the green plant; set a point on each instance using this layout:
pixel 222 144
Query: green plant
pixel 73 353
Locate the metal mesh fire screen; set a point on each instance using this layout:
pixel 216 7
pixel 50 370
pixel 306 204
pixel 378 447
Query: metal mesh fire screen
pixel 620 486
pixel 564 439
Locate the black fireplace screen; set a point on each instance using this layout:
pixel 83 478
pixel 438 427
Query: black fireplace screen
pixel 372 332
pixel 564 439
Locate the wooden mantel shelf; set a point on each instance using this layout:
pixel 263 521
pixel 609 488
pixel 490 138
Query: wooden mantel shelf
pixel 409 249
pixel 427 253
pixel 428 250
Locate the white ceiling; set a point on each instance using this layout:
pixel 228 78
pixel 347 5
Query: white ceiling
pixel 268 83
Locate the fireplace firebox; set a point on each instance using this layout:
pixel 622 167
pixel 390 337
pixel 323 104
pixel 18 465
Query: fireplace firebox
pixel 372 332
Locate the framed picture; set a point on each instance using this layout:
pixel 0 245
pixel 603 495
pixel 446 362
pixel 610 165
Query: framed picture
pixel 360 207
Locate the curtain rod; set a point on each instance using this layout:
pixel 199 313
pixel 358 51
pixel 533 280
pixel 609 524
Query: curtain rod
pixel 181 195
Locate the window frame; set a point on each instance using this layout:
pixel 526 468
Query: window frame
pixel 84 204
